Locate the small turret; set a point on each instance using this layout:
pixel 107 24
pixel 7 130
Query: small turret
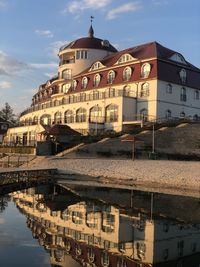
pixel 91 32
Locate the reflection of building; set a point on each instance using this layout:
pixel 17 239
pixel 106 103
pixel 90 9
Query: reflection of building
pixel 100 89
pixel 95 234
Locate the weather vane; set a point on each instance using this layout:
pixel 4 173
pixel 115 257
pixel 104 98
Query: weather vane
pixel 91 19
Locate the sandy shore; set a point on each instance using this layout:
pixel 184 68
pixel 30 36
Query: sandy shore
pixel 158 173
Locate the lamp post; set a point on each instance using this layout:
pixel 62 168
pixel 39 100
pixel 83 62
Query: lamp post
pixel 153 139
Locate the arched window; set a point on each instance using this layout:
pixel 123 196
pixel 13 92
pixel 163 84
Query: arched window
pixel 183 75
pixel 56 103
pixel 105 261
pixel 35 120
pixel 196 94
pixel 144 90
pixel 69 116
pixel 127 90
pixel 168 114
pixel 58 118
pixel 74 84
pixel 45 119
pixel 97 79
pixel 145 70
pixel 81 115
pixel 111 76
pixel 182 114
pixel 84 82
pixel 183 94
pixel 67 74
pixel 95 114
pixel 127 72
pixel 65 87
pixel 144 114
pixel 112 113
pixel 169 88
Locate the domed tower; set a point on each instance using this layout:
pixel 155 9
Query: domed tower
pixel 80 54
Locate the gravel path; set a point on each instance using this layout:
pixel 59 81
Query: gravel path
pixel 179 174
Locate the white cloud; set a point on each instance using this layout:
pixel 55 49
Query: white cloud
pixel 45 33
pixel 113 13
pixel 5 85
pixel 51 65
pixel 54 47
pixel 3 4
pixel 80 5
pixel 159 2
pixel 10 66
pixel 50 74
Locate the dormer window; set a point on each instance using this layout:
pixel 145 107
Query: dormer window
pixel 97 79
pixel 178 58
pixel 84 82
pixel 124 58
pixel 97 65
pixel 127 72
pixel 145 70
pixel 111 76
pixel 183 75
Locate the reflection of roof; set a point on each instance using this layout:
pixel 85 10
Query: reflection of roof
pixel 59 129
pixel 92 43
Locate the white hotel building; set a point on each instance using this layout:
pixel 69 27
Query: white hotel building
pixel 101 89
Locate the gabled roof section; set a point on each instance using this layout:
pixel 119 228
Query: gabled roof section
pixel 125 58
pixel 97 65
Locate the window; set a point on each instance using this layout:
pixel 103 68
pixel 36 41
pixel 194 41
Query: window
pixel 97 65
pixel 95 114
pixel 58 118
pixel 84 82
pixel 105 259
pixel 121 262
pixel 165 254
pixel 125 58
pixel 45 119
pixel 165 227
pixel 180 247
pixel 169 88
pixel 67 74
pixel 68 116
pixel 196 94
pixel 182 114
pixel 65 87
pixel 145 70
pixel 183 75
pixel 127 90
pixel 168 114
pixel 127 72
pixel 112 113
pixel 144 90
pixel 183 95
pixel 144 114
pixel 92 220
pixel 82 54
pixel 97 79
pixel 74 84
pixel 81 115
pixel 195 117
pixel 141 249
pixel 90 255
pixel 77 217
pixel 111 76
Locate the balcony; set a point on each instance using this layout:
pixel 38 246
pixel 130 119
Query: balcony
pixel 66 61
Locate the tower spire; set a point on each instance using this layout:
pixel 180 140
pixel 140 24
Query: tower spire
pixel 91 31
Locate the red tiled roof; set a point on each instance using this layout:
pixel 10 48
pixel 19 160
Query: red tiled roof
pixel 88 42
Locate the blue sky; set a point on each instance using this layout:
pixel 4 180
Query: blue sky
pixel 31 31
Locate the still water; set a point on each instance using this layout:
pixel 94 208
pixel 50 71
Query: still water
pixel 84 226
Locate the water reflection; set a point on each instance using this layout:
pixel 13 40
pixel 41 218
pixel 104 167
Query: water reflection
pixel 121 230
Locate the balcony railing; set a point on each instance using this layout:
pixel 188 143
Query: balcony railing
pixel 82 97
pixel 66 61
